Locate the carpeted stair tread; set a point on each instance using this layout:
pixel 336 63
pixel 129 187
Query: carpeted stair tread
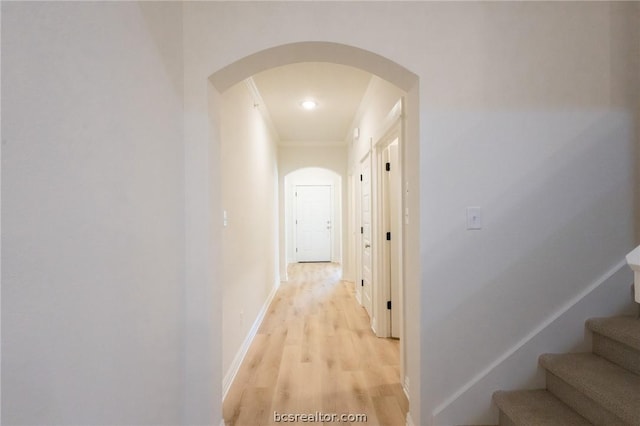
pixel 622 329
pixel 607 384
pixel 536 408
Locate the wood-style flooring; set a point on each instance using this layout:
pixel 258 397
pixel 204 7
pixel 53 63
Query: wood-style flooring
pixel 315 352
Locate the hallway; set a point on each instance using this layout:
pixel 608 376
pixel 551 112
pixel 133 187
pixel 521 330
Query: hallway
pixel 315 352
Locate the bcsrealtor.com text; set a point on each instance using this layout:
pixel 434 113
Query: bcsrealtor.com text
pixel 318 417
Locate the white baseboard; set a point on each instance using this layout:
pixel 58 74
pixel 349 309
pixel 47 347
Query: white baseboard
pixel 409 421
pixel 405 387
pixel 242 352
pixel 517 366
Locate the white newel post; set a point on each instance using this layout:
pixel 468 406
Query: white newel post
pixel 633 259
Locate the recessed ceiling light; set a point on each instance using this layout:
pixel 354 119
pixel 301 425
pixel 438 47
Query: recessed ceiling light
pixel 309 104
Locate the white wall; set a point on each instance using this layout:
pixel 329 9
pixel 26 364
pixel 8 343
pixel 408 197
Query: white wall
pixel 332 157
pixel 523 111
pixel 546 148
pixel 610 294
pixel 526 109
pixel 377 102
pixel 249 177
pixel 92 213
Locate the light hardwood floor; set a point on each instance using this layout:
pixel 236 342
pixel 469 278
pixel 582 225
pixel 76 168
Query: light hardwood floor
pixel 315 352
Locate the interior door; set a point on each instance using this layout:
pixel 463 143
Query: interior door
pixel 365 230
pixel 313 223
pixel 395 226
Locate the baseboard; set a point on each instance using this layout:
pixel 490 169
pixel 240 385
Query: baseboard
pixel 517 367
pixel 409 421
pixel 242 352
pixel 405 388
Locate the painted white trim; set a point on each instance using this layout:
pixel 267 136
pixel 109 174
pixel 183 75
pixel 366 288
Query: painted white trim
pixel 633 260
pixel 389 130
pixel 359 236
pixel 409 419
pixel 242 352
pixel 222 422
pixel 405 387
pixel 508 353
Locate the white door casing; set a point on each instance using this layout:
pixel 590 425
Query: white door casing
pixel 356 200
pixel 366 263
pixel 394 218
pixel 313 223
pixel 388 205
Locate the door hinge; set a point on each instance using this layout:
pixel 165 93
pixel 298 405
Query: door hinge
pixel 360 178
pixel 388 236
pixel 388 166
pixel 362 283
pixel 362 229
pixel 388 304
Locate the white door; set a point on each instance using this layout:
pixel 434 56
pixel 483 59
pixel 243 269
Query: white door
pixel 313 223
pixel 365 230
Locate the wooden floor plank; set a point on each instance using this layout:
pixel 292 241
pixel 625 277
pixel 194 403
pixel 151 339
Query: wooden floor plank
pixel 315 352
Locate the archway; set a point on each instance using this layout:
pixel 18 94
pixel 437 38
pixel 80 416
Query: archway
pixel 236 72
pixel 314 51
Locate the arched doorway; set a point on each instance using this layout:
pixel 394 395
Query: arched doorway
pixel 203 299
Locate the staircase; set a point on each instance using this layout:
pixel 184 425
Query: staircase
pixel 597 388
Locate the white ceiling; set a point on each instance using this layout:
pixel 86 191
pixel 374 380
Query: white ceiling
pixel 338 90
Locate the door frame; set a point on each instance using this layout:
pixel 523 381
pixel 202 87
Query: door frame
pixel 300 176
pixel 354 233
pixel 389 209
pixel 367 156
pixel 390 128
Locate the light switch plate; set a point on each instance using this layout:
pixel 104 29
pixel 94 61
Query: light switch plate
pixel 474 218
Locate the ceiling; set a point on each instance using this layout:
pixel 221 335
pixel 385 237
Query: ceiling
pixel 337 89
